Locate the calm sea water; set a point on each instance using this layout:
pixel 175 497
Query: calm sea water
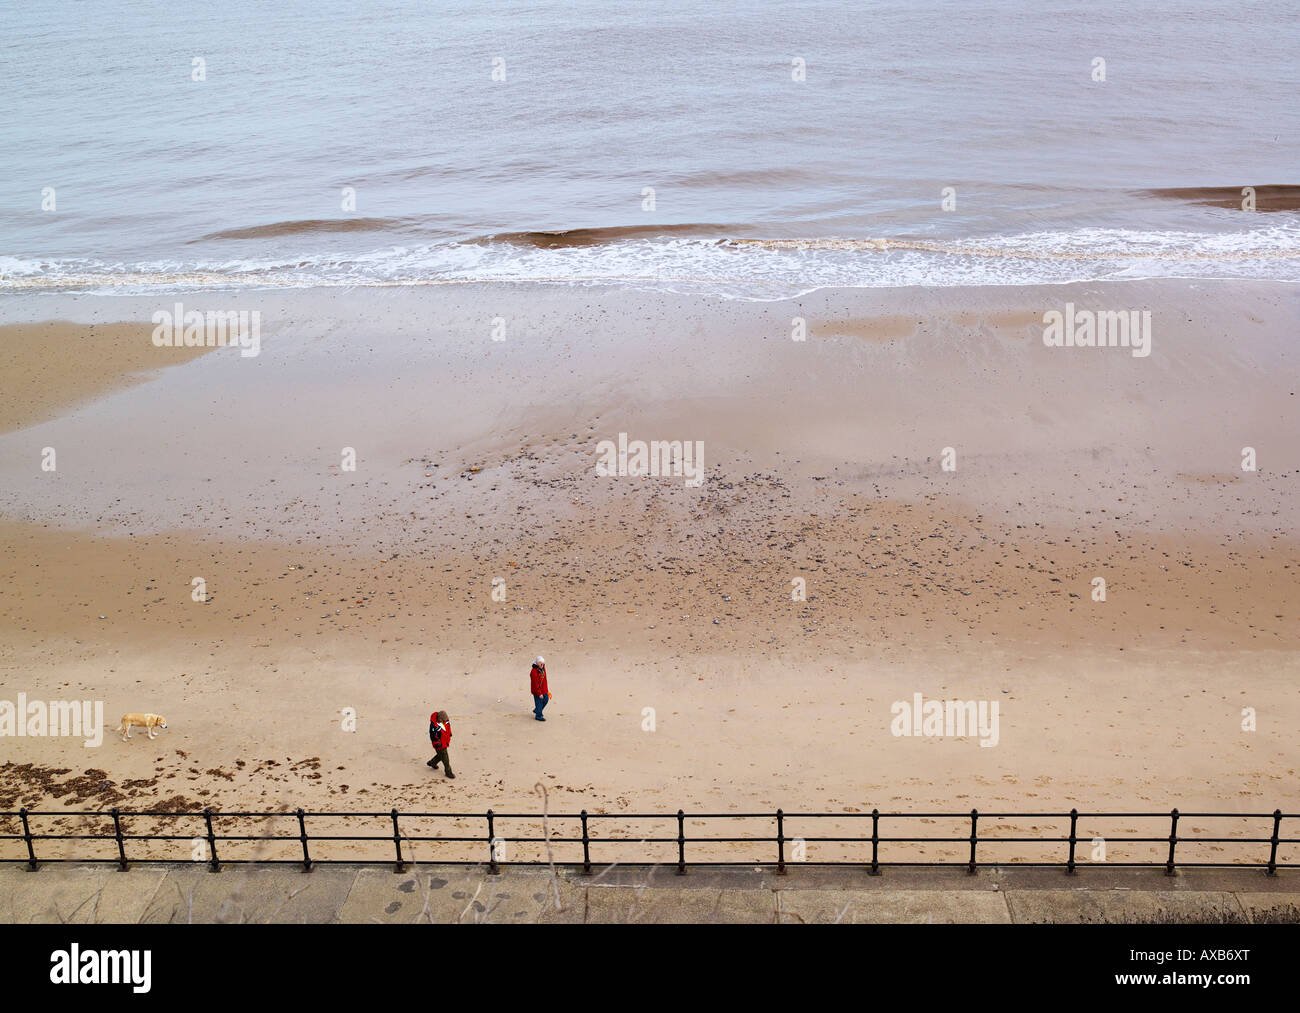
pixel 762 185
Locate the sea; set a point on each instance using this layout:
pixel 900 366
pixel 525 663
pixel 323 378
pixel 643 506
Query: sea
pixel 747 150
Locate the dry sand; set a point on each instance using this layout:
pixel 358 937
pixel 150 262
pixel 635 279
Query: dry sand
pixel 372 589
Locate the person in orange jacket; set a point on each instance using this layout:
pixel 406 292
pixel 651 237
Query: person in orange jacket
pixel 440 736
pixel 541 692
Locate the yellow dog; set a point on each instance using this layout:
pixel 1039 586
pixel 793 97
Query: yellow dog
pixel 146 721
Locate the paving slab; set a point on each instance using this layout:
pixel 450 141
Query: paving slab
pixel 1271 908
pixel 77 894
pixel 883 906
pixel 627 905
pixel 721 878
pixel 460 895
pixel 251 894
pixel 1124 906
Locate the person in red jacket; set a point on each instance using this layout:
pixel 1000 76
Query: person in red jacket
pixel 440 736
pixel 541 692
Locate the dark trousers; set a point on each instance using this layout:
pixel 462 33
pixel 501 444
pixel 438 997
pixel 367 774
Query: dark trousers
pixel 441 757
pixel 539 705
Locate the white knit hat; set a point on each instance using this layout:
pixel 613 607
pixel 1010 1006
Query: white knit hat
pixel 540 660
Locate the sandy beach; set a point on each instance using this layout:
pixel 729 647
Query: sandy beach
pixel 329 589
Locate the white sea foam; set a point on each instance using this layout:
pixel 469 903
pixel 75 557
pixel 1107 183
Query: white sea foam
pixel 754 269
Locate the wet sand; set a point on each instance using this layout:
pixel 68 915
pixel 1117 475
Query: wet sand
pixel 1266 198
pixel 54 366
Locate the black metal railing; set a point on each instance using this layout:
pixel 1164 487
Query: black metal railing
pixel 213 840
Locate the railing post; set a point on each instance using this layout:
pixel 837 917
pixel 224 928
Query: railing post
pixel 681 843
pixel 780 843
pixel 1074 839
pixel 32 864
pixel 302 836
pixel 875 842
pixel 212 841
pixel 399 865
pixel 117 833
pixel 1173 840
pixel 492 845
pixel 586 846
pixel 974 815
pixel 1272 851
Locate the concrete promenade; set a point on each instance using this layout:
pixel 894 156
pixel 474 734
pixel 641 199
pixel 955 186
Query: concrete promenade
pixel 155 893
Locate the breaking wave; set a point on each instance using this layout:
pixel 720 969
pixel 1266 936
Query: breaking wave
pixel 689 258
